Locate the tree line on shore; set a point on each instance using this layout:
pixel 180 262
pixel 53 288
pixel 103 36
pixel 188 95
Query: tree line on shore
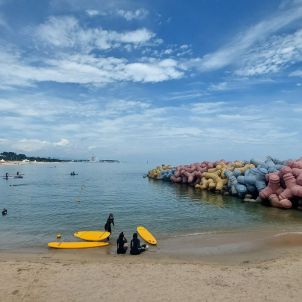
pixel 12 156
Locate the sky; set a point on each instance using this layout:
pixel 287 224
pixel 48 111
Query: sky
pixel 162 81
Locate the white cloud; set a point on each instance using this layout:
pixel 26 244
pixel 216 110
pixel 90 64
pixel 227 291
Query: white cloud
pixel 32 145
pixel 124 128
pixel 129 15
pixel 219 86
pixel 29 145
pixel 136 37
pixel 34 107
pixel 275 54
pixel 296 73
pixel 62 142
pixel 155 71
pixel 80 56
pixel 289 3
pixel 66 32
pixel 172 51
pixel 207 107
pixel 185 95
pixel 238 117
pixel 230 53
pixel 133 15
pixel 118 107
pixel 92 12
pixel 239 83
pixel 86 69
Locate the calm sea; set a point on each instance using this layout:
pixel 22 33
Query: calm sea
pixel 48 201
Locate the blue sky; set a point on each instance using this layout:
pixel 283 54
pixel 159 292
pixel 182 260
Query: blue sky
pixel 164 81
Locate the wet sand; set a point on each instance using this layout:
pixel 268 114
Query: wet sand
pixel 207 267
pixel 232 247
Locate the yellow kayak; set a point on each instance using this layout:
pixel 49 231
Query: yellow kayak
pixel 146 235
pixel 76 245
pixel 92 235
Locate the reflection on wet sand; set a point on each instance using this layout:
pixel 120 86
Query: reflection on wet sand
pixel 232 247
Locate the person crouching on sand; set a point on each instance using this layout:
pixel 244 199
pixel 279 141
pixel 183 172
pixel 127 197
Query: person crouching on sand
pixel 135 247
pixel 121 244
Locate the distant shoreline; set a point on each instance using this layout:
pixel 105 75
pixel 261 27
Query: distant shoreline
pixel 16 162
pixel 12 158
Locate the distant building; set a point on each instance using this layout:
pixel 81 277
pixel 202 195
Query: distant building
pixel 93 160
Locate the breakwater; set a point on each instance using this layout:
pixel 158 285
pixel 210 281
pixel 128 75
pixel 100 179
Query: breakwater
pixel 271 182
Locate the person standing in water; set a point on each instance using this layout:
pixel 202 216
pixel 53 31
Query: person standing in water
pixel 4 212
pixel 121 247
pixel 110 221
pixel 135 247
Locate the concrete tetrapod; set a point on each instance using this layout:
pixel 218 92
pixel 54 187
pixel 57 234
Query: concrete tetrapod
pixel 292 190
pixel 272 191
pixel 254 179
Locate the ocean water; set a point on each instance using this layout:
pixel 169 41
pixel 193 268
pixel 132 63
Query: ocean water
pixel 48 201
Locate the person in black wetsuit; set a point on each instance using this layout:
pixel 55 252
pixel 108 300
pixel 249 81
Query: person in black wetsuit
pixel 108 223
pixel 121 248
pixel 135 247
pixel 4 212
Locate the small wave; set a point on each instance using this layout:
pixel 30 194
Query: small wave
pixel 194 234
pixel 288 234
pixel 288 239
pixel 216 232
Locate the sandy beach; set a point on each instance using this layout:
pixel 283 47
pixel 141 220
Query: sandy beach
pixel 268 273
pixel 57 278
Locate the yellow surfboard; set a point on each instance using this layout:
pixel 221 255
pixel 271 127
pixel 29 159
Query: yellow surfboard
pixel 76 245
pixel 92 235
pixel 146 235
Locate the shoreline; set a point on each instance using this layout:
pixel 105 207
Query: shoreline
pixel 223 246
